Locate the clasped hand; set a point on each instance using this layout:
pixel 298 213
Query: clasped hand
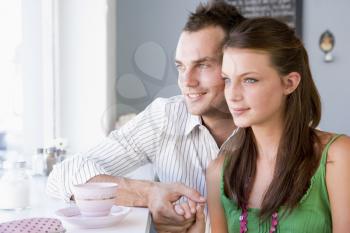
pixel 168 216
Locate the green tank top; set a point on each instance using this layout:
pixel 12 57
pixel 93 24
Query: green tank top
pixel 312 215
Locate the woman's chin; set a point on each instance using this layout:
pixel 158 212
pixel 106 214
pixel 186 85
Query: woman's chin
pixel 242 124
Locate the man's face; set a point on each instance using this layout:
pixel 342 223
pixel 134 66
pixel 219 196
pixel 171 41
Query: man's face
pixel 198 61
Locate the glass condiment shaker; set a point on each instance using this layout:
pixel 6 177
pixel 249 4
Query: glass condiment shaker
pixel 14 186
pixel 51 159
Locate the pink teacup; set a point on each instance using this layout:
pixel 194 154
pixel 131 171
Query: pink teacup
pixel 95 199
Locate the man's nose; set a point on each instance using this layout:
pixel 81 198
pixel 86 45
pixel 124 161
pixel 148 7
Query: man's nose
pixel 189 78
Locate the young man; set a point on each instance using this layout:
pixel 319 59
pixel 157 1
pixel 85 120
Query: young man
pixel 179 135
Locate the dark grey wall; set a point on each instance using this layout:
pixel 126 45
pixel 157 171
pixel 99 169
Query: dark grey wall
pixel 153 26
pixel 147 34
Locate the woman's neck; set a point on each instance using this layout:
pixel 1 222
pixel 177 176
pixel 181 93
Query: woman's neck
pixel 268 139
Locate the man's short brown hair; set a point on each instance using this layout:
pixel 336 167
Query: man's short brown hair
pixel 214 13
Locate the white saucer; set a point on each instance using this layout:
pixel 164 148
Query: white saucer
pixel 72 215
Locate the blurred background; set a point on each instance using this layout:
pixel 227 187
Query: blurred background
pixel 70 68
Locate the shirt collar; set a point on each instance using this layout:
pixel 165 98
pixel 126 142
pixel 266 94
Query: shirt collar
pixel 192 122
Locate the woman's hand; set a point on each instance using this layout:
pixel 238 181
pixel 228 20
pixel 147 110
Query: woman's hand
pixel 190 210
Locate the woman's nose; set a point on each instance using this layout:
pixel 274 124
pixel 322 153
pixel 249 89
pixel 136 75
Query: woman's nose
pixel 233 92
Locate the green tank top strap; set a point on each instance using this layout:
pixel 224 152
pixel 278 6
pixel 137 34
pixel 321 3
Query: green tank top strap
pixel 325 150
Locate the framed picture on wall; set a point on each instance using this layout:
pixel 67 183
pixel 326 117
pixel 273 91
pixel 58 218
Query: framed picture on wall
pixel 288 11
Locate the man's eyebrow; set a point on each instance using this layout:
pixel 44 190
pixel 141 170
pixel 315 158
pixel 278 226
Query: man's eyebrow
pixel 204 59
pixel 200 60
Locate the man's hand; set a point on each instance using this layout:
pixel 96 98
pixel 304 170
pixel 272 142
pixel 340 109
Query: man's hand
pixel 161 200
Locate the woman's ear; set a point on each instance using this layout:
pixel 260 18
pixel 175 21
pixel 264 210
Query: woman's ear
pixel 291 82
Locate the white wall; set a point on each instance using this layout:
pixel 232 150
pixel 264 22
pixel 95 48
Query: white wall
pixel 84 71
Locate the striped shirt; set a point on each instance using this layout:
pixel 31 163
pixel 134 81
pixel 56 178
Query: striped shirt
pixel 165 134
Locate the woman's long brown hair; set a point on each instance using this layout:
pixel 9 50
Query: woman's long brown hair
pixel 297 158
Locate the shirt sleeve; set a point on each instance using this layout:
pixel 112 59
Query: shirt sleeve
pixel 124 150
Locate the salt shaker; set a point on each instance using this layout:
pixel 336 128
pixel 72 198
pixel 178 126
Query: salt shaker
pixel 38 163
pixel 14 186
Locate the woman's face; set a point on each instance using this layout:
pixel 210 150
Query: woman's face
pixel 254 91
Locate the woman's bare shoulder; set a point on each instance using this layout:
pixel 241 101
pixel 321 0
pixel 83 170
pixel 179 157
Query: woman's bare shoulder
pixel 214 169
pixel 339 150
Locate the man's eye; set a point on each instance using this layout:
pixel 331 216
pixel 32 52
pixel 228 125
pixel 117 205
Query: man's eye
pixel 203 66
pixel 179 67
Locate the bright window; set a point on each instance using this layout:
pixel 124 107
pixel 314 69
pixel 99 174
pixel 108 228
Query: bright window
pixel 11 91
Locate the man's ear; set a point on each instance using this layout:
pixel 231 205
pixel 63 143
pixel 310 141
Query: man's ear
pixel 291 82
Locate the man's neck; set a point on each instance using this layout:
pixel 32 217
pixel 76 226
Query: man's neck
pixel 220 127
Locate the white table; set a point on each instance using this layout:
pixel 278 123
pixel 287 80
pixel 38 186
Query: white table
pixel 137 221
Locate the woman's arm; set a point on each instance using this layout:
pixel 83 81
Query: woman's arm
pixel 216 211
pixel 338 183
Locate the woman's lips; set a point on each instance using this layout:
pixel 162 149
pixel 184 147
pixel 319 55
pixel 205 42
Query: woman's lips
pixel 238 111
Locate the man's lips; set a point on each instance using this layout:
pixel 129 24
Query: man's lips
pixel 195 95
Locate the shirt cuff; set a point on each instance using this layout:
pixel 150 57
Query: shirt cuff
pixel 64 176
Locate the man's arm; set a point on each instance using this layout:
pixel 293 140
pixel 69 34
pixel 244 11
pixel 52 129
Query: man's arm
pixel 130 192
pixel 124 150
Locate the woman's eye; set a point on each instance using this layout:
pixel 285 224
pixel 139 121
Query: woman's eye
pixel 250 80
pixel 226 79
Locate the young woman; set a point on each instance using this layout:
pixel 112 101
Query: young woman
pixel 284 175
